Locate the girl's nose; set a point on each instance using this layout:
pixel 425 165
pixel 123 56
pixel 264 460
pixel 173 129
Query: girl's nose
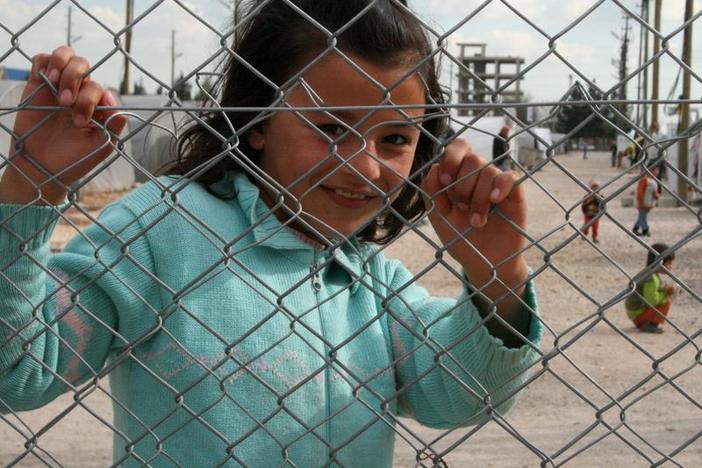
pixel 365 162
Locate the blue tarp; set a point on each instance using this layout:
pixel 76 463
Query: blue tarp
pixel 14 74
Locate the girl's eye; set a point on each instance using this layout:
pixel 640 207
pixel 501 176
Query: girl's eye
pixel 332 130
pixel 396 139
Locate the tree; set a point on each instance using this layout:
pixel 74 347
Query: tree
pixel 139 88
pixel 571 116
pixel 183 88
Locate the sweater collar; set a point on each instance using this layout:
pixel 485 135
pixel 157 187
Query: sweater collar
pixel 268 231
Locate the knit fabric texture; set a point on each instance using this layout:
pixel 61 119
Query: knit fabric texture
pixel 228 340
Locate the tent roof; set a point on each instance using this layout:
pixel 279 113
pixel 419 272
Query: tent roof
pixel 9 86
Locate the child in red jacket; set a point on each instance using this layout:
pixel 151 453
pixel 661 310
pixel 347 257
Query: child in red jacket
pixel 646 196
pixel 592 206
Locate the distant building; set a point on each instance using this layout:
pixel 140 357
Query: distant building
pixel 14 74
pixel 482 75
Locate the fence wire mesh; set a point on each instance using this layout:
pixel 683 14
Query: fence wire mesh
pixel 237 312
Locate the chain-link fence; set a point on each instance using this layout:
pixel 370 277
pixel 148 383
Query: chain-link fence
pixel 228 295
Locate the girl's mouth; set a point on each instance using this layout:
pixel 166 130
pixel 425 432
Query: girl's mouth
pixel 348 198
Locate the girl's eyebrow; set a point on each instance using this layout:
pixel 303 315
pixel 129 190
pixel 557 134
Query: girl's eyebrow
pixel 351 116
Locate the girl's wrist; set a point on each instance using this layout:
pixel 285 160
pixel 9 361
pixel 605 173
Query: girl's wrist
pixel 15 189
pixel 496 282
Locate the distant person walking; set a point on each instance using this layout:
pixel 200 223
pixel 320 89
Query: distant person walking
pixel 500 149
pixel 613 150
pixel 650 304
pixel 654 153
pixel 634 151
pixel 592 207
pixel 646 196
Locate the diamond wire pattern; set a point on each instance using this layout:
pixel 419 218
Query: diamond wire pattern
pixel 613 408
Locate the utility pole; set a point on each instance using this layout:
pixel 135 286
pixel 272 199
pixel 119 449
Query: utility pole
pixel 124 86
pixel 656 63
pixel 68 34
pixel 623 55
pixel 644 87
pixel 70 39
pixel 174 56
pixel 685 106
pixel 621 65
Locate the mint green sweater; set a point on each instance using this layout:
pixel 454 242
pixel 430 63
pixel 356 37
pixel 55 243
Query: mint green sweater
pixel 229 340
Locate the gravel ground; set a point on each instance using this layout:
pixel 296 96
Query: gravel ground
pixel 601 358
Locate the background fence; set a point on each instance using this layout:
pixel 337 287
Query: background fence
pixel 601 393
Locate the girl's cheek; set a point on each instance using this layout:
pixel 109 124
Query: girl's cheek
pixel 402 164
pixel 314 152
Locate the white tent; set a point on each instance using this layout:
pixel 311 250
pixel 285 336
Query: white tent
pixel 156 130
pixel 109 176
pixel 481 133
pixel 528 138
pixel 523 146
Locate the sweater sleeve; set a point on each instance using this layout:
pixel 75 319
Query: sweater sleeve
pixel 450 370
pixel 60 314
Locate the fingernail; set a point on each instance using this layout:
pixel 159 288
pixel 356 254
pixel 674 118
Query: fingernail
pixel 66 97
pixel 53 75
pixel 445 179
pixel 495 195
pixel 110 99
pixel 462 206
pixel 475 220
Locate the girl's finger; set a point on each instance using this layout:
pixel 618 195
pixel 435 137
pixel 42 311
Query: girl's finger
pixel 72 78
pixel 451 160
pixel 472 168
pixel 57 62
pixel 114 119
pixel 518 193
pixel 39 64
pixel 480 201
pixel 502 186
pixel 88 97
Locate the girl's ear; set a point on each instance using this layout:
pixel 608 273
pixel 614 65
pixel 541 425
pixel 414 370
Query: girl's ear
pixel 256 139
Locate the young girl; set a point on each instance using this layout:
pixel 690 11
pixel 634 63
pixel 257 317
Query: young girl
pixel 239 305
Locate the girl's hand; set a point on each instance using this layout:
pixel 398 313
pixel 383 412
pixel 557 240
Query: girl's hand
pixel 463 187
pixel 670 290
pixel 62 142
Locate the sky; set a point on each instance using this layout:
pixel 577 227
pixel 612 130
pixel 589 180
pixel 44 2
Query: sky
pixel 588 44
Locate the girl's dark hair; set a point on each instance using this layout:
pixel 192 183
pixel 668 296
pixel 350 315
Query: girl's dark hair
pixel 278 41
pixel 658 248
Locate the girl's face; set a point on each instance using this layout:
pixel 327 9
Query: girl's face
pixel 339 165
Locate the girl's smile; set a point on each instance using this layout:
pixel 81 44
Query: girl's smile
pixel 343 167
pixel 349 199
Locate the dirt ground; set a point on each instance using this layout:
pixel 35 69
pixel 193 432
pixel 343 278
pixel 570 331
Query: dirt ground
pixel 607 395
